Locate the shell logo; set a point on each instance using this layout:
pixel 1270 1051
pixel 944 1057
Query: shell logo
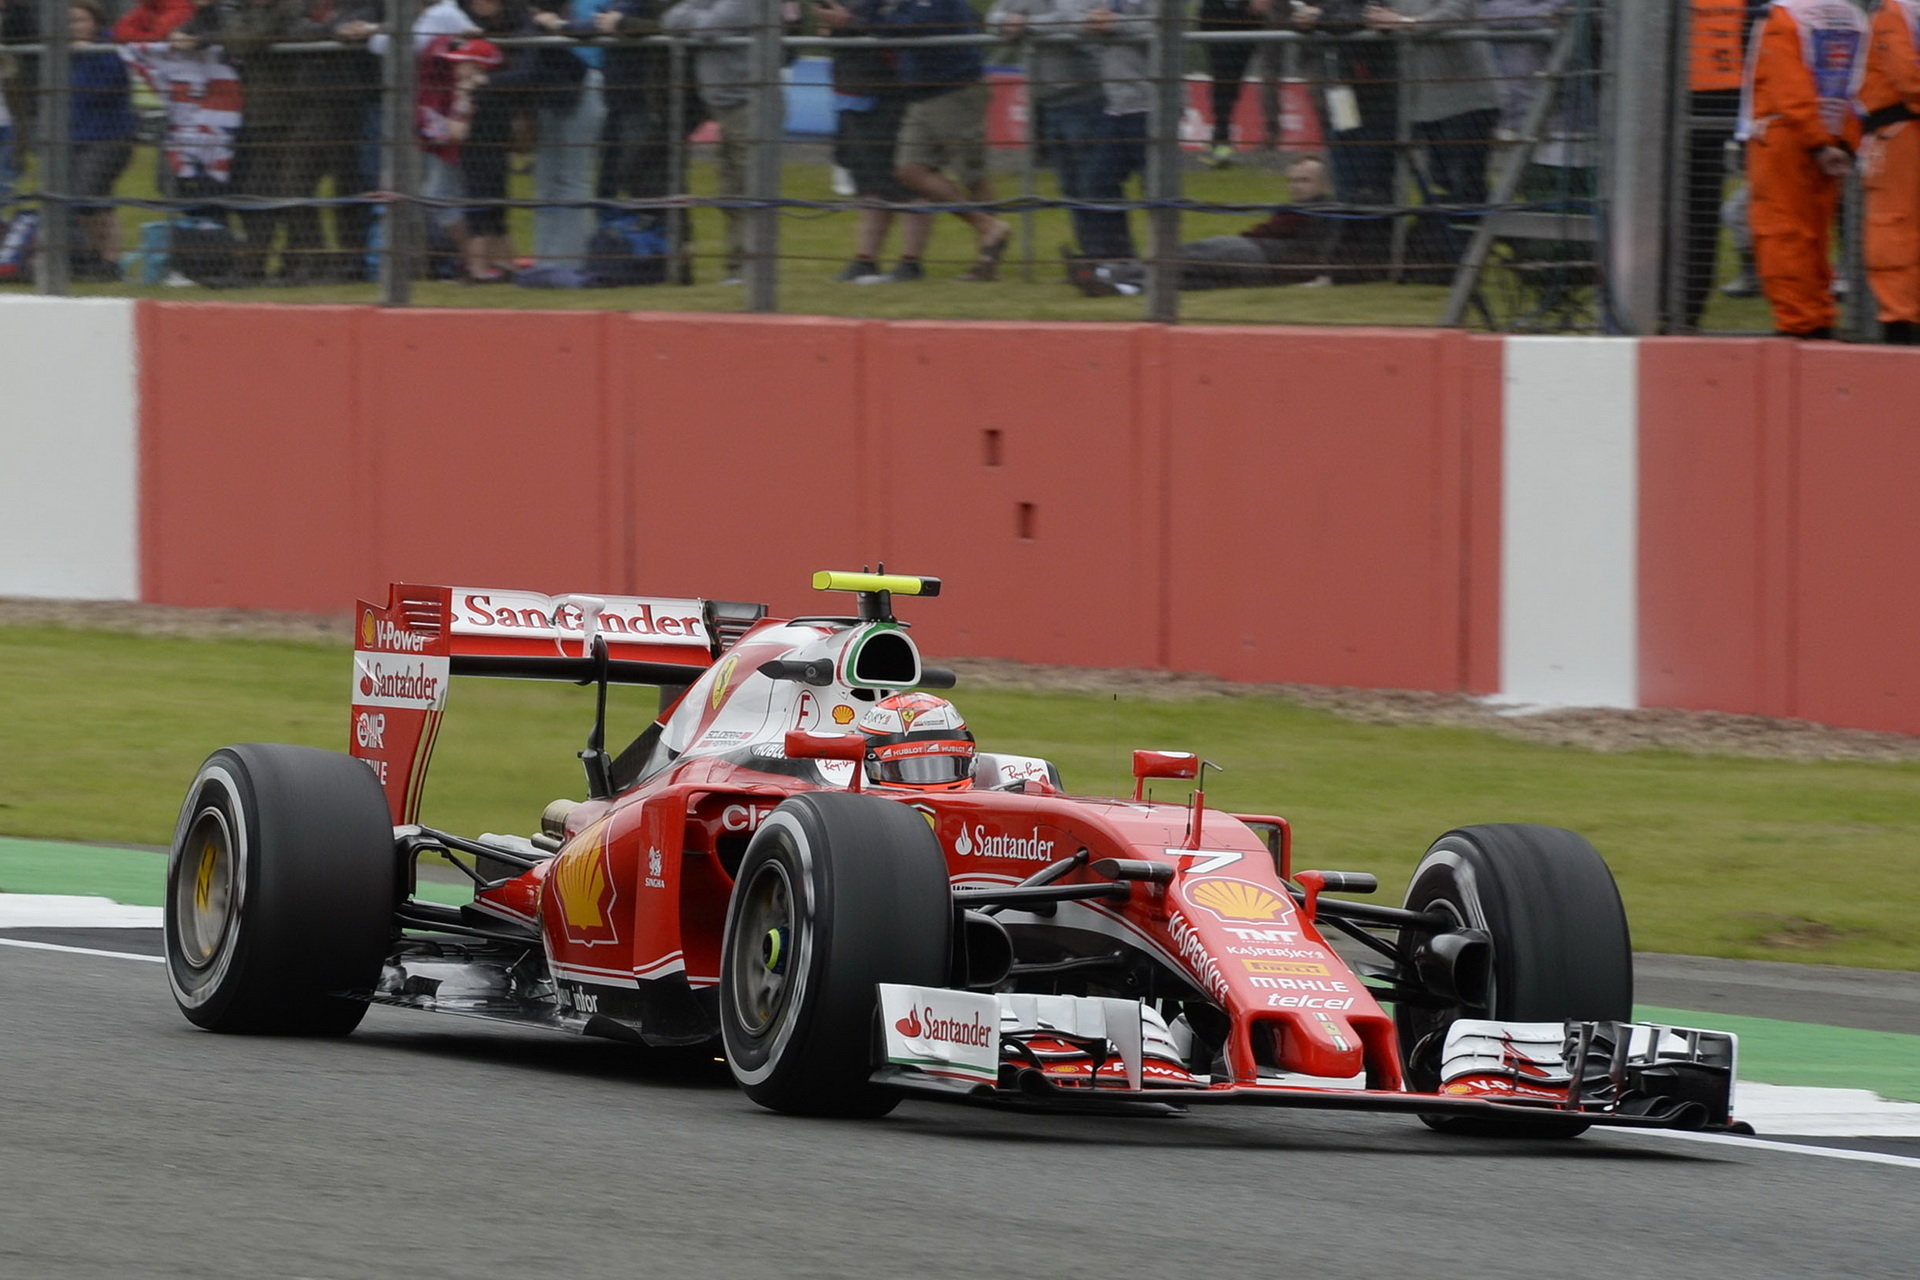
pixel 1228 899
pixel 843 714
pixel 584 889
pixel 367 632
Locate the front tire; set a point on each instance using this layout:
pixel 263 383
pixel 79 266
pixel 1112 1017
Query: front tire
pixel 836 894
pixel 1561 949
pixel 281 886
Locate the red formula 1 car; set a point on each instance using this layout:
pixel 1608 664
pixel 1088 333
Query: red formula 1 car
pixel 806 866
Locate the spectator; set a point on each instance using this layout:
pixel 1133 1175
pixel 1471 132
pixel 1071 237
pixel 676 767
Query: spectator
pixel 497 105
pixel 635 154
pixel 441 18
pixel 725 76
pixel 1063 86
pixel 1290 247
pixel 1804 129
pixel 1119 30
pixel 943 137
pixel 452 71
pixel 101 127
pixel 1227 67
pixel 191 74
pixel 151 20
pixel 870 107
pixel 1451 102
pixel 569 114
pixel 342 125
pixel 1715 40
pixel 283 124
pixel 1360 79
pixel 19 85
pixel 1890 168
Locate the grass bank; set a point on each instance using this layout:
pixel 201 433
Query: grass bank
pixel 1717 856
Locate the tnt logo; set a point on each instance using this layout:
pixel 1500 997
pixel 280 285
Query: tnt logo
pixel 370 729
pixel 1264 935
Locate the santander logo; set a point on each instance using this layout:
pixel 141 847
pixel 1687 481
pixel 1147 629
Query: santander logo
pixel 973 1032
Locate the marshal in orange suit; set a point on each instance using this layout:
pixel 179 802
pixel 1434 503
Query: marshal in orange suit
pixel 1890 166
pixel 1803 130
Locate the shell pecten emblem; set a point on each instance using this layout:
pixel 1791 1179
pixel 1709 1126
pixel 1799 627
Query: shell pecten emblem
pixel 584 888
pixel 368 632
pixel 1237 901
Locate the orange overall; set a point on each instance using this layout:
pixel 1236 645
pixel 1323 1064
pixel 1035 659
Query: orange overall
pixel 1805 71
pixel 1890 161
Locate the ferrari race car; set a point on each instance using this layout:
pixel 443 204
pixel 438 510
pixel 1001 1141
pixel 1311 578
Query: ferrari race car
pixel 852 911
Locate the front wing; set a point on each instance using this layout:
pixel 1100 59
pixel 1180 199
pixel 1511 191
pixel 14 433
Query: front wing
pixel 1073 1053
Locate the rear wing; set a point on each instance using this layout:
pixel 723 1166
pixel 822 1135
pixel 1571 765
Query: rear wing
pixel 404 653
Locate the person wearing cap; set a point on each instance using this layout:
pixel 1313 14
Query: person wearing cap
pixel 452 70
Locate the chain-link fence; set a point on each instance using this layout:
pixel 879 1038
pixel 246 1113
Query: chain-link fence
pixel 1399 161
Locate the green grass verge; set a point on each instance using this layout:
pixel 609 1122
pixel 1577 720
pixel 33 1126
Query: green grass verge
pixel 1791 1053
pixel 814 245
pixel 1752 859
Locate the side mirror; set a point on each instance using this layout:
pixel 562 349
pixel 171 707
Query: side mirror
pixel 1161 764
pixel 804 744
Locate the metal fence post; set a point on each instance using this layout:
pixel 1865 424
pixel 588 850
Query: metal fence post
pixel 400 160
pixel 54 276
pixel 1167 56
pixel 1635 158
pixel 766 109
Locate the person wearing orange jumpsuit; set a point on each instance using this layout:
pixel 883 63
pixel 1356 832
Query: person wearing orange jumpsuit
pixel 1802 130
pixel 1890 166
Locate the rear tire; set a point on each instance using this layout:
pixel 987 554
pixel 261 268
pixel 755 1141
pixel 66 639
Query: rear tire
pixel 1561 949
pixel 281 887
pixel 836 894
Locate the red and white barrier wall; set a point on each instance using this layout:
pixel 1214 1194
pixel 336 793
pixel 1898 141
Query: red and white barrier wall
pixel 1718 524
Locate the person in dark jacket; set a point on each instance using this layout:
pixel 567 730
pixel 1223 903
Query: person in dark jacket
pixel 869 109
pixel 506 97
pixel 942 154
pixel 283 120
pixel 1291 247
pixel 102 128
pixel 1361 74
pixel 635 155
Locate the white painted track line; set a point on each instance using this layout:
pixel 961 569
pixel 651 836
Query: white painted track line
pixel 79 951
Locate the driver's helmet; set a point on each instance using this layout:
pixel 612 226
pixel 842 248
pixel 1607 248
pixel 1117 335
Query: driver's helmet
pixel 917 740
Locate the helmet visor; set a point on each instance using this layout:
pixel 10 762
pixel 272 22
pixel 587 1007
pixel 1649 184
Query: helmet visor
pixel 913 761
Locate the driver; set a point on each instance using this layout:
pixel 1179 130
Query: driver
pixel 919 742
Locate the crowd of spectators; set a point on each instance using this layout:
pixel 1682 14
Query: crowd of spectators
pixel 280 150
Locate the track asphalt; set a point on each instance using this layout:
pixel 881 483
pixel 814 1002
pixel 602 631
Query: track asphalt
pixel 432 1148
pixel 1804 1030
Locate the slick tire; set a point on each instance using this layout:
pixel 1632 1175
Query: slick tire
pixel 1561 949
pixel 281 888
pixel 836 894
